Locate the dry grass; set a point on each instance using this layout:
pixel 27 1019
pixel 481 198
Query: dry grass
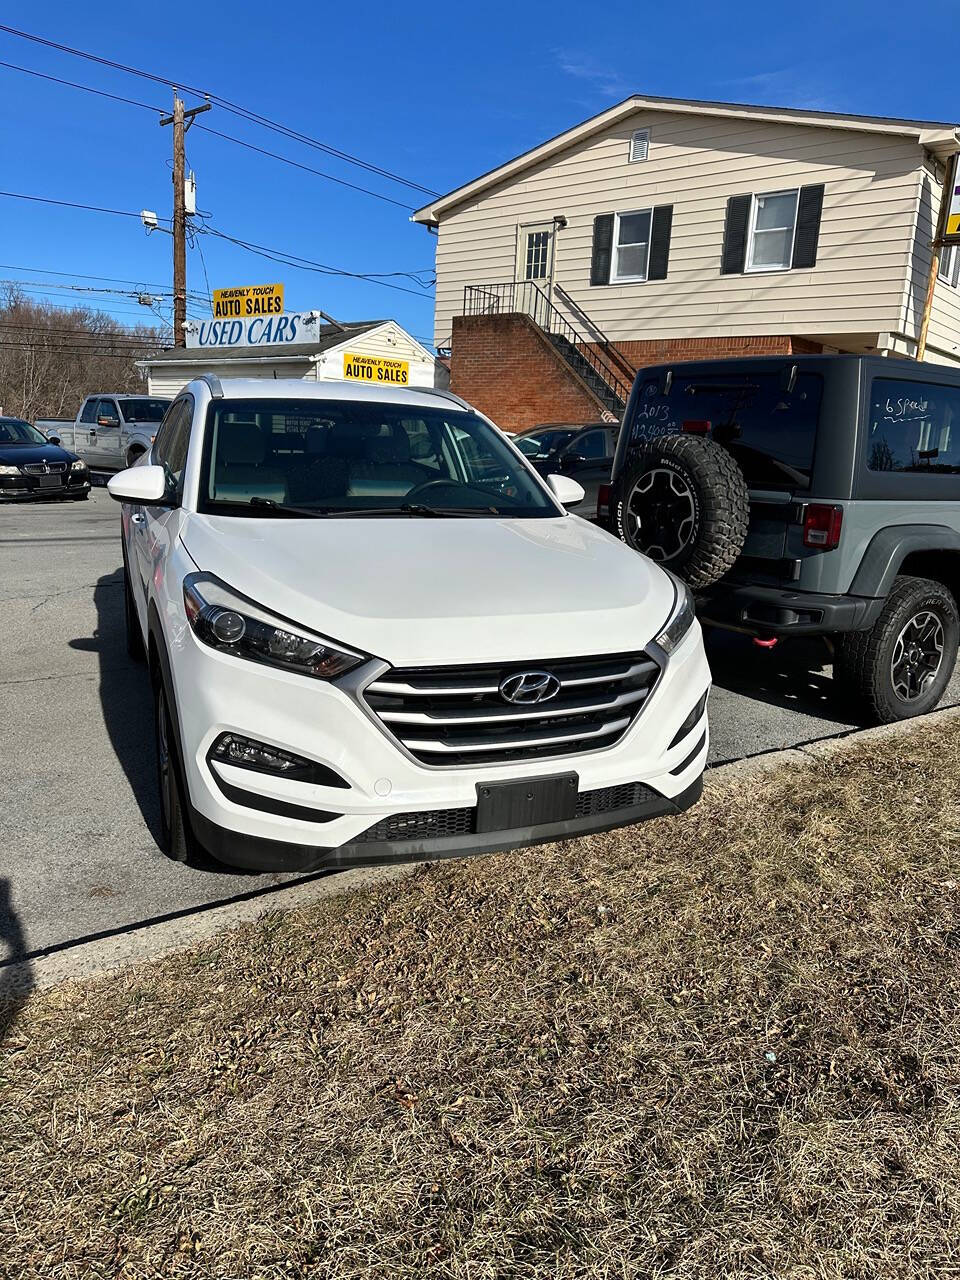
pixel 725 1046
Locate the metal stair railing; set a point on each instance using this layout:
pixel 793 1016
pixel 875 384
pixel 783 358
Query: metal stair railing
pixel 525 297
pixel 613 353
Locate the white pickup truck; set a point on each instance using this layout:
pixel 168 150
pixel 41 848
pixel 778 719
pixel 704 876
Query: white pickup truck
pixel 111 430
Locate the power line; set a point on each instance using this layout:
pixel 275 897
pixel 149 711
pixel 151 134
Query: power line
pixel 80 275
pixel 84 88
pixel 72 204
pixel 227 137
pixel 225 103
pixel 307 264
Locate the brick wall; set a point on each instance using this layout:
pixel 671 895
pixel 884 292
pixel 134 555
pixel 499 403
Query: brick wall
pixel 503 365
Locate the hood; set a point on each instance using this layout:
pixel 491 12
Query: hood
pixel 422 591
pixel 15 455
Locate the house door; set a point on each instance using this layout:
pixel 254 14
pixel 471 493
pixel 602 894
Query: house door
pixel 535 261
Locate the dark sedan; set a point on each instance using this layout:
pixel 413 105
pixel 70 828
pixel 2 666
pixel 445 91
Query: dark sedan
pixel 584 452
pixel 32 467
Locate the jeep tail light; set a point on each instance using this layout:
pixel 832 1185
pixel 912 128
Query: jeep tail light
pixel 603 501
pixel 697 426
pixel 821 526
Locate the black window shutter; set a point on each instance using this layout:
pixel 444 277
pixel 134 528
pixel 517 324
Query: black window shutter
pixel 602 255
pixel 734 255
pixel 660 242
pixel 805 241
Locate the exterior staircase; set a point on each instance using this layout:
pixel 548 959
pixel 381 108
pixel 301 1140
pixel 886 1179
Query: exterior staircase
pixel 582 346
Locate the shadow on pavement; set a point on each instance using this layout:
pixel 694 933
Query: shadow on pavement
pixel 16 973
pixel 125 697
pixel 795 675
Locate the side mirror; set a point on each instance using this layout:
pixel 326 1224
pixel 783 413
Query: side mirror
pixel 108 422
pixel 566 491
pixel 53 438
pixel 144 485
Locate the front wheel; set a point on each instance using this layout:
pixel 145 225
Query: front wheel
pixel 176 838
pixel 902 665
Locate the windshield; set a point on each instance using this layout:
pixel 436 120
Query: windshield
pixel 769 428
pixel 143 410
pixel 328 457
pixel 13 431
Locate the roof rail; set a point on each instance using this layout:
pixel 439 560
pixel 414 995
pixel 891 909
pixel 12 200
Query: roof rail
pixel 213 382
pixel 443 394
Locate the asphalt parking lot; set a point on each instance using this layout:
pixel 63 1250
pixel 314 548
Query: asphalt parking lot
pixel 79 859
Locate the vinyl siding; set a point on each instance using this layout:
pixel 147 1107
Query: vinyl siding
pixel 695 163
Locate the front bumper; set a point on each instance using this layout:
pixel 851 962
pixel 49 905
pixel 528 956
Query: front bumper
pixel 255 819
pixel 27 488
pixel 777 611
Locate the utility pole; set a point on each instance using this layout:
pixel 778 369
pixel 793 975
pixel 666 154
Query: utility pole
pixel 181 121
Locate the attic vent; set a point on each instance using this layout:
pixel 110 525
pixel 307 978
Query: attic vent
pixel 639 145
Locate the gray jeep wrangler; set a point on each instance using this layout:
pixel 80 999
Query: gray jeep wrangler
pixel 807 495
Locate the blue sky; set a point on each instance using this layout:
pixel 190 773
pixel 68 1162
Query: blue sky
pixel 437 94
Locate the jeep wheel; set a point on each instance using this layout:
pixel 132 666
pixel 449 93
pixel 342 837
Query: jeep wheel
pixel 684 503
pixel 901 666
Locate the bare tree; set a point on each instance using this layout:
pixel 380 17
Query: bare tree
pixel 51 357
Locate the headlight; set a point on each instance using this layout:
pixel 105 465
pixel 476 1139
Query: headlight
pixel 681 618
pixel 9 471
pixel 228 621
pixel 79 465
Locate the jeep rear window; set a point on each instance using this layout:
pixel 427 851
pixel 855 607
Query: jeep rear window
pixel 770 429
pixel 913 426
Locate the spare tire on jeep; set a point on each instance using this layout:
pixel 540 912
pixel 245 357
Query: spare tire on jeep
pixel 683 501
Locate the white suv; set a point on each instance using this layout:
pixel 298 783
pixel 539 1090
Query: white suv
pixel 374 634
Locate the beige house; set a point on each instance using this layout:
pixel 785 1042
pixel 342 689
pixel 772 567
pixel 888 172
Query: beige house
pixel 671 229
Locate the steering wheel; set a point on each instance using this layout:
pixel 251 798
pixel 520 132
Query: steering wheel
pixel 414 494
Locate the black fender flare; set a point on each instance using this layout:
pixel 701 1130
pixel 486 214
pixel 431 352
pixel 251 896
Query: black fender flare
pixel 889 548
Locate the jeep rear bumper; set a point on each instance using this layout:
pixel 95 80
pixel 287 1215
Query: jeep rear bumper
pixel 777 611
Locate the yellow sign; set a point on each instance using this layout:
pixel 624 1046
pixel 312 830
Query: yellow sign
pixel 375 369
pixel 248 300
pixel 951 194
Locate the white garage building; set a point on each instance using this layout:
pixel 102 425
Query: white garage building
pixel 364 351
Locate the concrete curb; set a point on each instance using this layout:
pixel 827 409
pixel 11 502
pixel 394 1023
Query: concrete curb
pixel 154 939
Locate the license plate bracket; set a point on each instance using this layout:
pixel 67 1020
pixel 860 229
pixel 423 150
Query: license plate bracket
pixel 50 482
pixel 531 802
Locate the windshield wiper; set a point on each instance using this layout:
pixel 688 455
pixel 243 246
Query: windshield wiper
pixel 405 509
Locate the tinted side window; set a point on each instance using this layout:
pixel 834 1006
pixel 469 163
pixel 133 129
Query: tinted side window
pixel 89 413
pixel 591 445
pixel 173 439
pixel 913 426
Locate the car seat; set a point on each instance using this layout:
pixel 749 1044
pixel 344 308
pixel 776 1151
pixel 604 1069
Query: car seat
pixel 241 472
pixel 386 469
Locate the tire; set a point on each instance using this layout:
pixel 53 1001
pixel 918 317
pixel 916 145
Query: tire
pixel 134 635
pixel 901 666
pixel 134 455
pixel 683 502
pixel 176 838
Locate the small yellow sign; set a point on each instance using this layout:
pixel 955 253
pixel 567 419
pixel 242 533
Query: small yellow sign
pixel 248 300
pixel 359 368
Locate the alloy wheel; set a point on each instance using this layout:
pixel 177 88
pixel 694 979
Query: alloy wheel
pixel 662 512
pixel 917 655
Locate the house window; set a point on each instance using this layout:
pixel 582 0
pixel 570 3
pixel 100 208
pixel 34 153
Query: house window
pixel 773 223
pixel 538 255
pixel 639 145
pixel 949 269
pixel 631 246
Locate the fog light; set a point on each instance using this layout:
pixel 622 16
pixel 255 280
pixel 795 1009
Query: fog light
pixel 691 721
pixel 248 753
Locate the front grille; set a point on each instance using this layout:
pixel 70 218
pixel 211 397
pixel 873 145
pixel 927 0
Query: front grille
pixel 434 824
pixel 457 715
pixel 610 799
pixel 43 468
